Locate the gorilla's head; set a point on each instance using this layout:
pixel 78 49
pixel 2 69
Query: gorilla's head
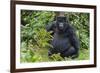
pixel 61 23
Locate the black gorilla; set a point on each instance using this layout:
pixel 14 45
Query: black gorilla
pixel 64 39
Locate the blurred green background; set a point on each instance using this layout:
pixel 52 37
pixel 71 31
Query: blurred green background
pixel 35 38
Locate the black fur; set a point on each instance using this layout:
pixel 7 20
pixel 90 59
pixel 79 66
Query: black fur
pixel 65 40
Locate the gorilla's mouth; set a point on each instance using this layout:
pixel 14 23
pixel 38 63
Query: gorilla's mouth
pixel 61 26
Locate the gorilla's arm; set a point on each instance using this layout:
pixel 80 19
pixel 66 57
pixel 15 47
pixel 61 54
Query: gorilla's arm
pixel 73 39
pixel 51 27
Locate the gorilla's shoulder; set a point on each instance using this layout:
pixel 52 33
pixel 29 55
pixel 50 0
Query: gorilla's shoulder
pixel 71 29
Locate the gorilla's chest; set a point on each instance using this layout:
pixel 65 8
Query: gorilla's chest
pixel 60 42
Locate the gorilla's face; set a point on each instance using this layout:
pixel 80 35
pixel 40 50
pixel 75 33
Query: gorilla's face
pixel 61 23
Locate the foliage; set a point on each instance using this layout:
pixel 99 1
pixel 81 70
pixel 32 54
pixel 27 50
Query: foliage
pixel 35 39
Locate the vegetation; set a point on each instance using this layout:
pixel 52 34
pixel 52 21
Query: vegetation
pixel 35 38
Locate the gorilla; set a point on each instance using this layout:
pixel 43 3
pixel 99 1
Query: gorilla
pixel 64 39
